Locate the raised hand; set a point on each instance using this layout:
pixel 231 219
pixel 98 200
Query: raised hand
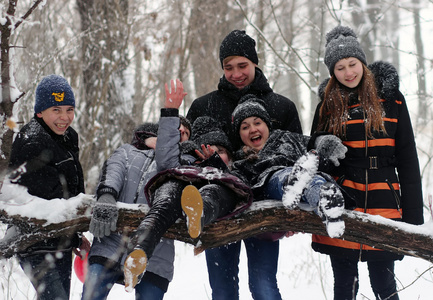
pixel 205 153
pixel 174 96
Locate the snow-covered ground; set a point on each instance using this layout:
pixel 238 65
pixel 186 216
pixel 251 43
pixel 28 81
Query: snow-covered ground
pixel 302 274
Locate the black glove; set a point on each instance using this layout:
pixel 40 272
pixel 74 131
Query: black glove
pixel 104 216
pixel 330 147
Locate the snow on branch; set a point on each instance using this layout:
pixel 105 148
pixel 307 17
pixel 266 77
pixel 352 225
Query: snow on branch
pixel 39 219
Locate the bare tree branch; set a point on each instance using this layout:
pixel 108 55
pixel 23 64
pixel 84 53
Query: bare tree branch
pixel 263 216
pixel 28 13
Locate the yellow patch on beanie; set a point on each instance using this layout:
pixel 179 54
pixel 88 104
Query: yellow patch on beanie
pixel 59 96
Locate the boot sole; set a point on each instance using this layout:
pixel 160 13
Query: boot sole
pixel 135 264
pixel 192 205
pixel 305 169
pixel 332 209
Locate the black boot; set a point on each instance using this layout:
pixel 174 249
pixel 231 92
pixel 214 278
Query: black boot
pixel 331 208
pixel 204 206
pixel 218 201
pixel 164 212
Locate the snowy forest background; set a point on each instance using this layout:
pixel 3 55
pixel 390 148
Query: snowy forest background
pixel 117 55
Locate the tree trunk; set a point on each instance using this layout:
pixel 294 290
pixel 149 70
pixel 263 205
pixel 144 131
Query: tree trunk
pixel 423 107
pixel 7 27
pixel 263 216
pixel 6 104
pixel 105 122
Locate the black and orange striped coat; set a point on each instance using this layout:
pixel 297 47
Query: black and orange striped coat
pixel 379 175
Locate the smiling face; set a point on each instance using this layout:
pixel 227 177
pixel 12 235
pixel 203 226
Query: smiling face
pixel 254 132
pixel 239 71
pixel 349 71
pixel 58 118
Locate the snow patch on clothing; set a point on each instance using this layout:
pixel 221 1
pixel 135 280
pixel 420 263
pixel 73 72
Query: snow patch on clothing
pixel 302 174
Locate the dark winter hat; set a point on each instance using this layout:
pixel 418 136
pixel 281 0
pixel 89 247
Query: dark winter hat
pixel 249 106
pixel 207 131
pixel 148 128
pixel 53 90
pixel 341 42
pixel 186 123
pixel 142 132
pixel 238 43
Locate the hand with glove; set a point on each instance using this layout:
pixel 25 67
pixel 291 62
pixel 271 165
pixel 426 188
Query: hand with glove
pixel 329 147
pixel 104 216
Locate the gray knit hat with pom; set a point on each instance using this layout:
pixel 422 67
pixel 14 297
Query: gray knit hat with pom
pixel 249 106
pixel 207 131
pixel 342 42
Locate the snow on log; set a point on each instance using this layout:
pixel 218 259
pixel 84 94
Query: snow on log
pixel 38 219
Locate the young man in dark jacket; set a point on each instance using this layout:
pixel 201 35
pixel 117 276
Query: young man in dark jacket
pixel 44 159
pixel 239 61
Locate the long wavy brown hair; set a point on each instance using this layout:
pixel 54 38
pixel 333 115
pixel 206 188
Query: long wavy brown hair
pixel 334 112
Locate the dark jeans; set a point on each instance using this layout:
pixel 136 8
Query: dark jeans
pixel 346 278
pixel 100 280
pixel 50 274
pixel 223 269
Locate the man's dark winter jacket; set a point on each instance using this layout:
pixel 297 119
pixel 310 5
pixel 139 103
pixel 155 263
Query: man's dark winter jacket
pixel 220 104
pixel 51 170
pixel 384 177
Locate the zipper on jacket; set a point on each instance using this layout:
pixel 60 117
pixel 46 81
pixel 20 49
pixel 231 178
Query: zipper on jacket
pixel 65 160
pixel 361 245
pixel 64 183
pixel 396 196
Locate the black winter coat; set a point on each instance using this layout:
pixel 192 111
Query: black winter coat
pixel 380 176
pixel 282 149
pixel 52 169
pixel 220 104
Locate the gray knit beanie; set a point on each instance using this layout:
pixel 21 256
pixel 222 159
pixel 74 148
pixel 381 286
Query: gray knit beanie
pixel 53 90
pixel 238 43
pixel 341 42
pixel 207 131
pixel 249 106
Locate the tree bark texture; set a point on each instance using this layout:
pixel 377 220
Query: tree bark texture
pixel 264 216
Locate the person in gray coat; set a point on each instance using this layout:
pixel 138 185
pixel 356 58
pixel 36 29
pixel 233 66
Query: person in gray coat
pixel 123 178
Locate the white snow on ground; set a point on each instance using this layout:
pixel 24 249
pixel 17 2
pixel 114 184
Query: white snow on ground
pixel 302 273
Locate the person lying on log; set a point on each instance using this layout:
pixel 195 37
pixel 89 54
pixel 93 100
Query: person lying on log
pixel 278 165
pixel 201 188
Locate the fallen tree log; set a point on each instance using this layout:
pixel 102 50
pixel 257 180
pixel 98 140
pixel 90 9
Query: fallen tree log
pixel 39 219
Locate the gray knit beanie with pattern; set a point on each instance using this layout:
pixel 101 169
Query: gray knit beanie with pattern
pixel 342 42
pixel 207 131
pixel 250 106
